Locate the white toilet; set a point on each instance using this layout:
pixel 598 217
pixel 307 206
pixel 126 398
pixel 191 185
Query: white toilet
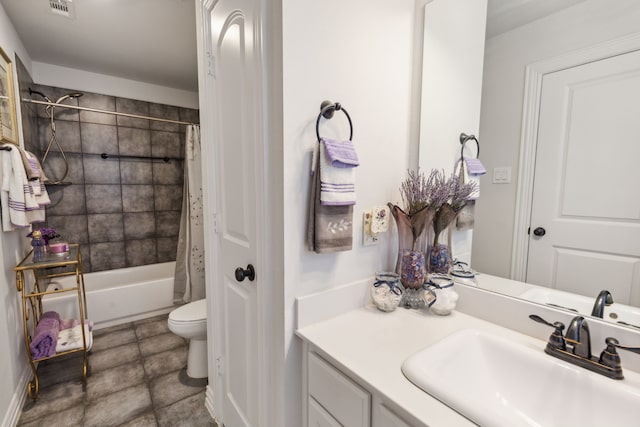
pixel 190 321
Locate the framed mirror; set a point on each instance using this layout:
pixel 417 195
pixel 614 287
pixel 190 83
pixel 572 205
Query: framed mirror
pixel 8 122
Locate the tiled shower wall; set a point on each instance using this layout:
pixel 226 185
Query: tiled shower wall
pixel 123 212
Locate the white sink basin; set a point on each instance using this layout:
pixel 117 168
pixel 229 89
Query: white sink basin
pixel 496 382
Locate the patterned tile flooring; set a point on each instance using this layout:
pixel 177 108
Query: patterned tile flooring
pixel 137 377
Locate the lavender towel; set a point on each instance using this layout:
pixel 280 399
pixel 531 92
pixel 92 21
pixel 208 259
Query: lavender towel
pixel 341 154
pixel 475 166
pixel 45 338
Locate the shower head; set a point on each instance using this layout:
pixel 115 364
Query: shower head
pixel 69 96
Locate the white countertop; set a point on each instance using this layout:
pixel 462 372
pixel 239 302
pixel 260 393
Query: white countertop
pixel 370 346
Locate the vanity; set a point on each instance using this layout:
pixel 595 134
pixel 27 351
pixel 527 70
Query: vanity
pixel 353 365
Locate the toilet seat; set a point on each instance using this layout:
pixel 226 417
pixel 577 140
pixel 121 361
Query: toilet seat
pixel 194 312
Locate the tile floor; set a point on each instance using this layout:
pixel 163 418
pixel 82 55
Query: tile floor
pixel 137 377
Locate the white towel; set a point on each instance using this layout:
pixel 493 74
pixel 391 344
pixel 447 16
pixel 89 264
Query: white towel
pixel 70 339
pixel 337 185
pixel 4 191
pixel 462 172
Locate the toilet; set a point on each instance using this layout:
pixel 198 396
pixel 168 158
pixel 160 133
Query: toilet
pixel 190 321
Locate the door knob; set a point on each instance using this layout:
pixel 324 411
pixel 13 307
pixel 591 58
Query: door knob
pixel 249 273
pixel 539 231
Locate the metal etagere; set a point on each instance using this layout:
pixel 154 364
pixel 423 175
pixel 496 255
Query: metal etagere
pixel 32 291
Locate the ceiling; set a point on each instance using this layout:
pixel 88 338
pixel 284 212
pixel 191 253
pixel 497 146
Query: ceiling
pixel 154 41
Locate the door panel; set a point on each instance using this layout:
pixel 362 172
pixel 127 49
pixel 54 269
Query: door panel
pixel 585 191
pixel 237 102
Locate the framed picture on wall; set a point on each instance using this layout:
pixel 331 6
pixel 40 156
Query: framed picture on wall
pixel 8 123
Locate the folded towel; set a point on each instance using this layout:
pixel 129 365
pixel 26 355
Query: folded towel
pixel 20 207
pixel 31 166
pixel 329 228
pixel 51 315
pixel 475 166
pixel 71 339
pixel 341 154
pixel 337 185
pixel 45 338
pixel 72 323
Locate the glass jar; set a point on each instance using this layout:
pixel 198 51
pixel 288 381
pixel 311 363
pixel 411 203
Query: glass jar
pixel 446 296
pixel 461 273
pixel 387 291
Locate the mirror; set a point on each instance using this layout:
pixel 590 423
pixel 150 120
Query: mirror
pixel 8 129
pixel 506 101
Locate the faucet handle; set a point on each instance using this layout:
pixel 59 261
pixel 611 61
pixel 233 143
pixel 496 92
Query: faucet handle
pixel 613 343
pixel 556 340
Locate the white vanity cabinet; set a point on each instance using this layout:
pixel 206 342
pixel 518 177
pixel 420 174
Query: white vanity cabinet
pixel 333 399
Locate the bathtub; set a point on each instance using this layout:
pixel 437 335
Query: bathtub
pixel 117 296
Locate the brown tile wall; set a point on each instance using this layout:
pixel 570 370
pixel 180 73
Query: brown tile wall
pixel 123 212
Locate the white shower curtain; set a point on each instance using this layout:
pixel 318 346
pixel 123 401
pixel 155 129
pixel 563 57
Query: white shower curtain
pixel 189 276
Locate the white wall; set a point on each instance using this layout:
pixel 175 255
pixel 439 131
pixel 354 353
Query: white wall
pixel 358 53
pixel 12 357
pixel 506 57
pixel 71 78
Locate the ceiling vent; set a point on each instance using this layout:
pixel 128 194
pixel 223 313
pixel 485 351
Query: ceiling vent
pixel 62 8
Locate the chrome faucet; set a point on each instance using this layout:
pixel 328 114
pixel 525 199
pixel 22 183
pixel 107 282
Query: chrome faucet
pixel 603 299
pixel 575 347
pixel 579 337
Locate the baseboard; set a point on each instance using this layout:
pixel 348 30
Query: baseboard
pixel 14 410
pixel 208 403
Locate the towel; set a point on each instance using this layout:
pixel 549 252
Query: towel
pixel 45 337
pixel 32 167
pixel 463 170
pixel 72 323
pixel 341 154
pixel 71 339
pixel 329 228
pixel 18 199
pixel 337 185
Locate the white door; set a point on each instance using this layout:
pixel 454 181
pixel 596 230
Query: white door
pixel 586 198
pixel 233 93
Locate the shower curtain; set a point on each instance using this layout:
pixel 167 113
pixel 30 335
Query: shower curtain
pixel 189 276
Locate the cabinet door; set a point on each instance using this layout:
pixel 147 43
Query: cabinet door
pixel 383 417
pixel 346 401
pixel 318 417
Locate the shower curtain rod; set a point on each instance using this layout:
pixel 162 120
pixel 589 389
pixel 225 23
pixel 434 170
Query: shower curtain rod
pixel 115 113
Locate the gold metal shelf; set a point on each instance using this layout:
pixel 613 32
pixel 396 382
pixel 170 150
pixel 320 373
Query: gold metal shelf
pixel 31 296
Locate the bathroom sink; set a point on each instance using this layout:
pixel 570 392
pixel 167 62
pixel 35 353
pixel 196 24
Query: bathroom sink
pixel 497 382
pixel 616 312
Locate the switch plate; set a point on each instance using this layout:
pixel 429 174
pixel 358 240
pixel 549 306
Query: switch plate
pixel 502 175
pixel 368 238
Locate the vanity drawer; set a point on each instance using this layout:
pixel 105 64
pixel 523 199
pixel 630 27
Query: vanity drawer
pixel 318 417
pixel 343 399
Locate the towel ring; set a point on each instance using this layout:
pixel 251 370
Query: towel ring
pixel 463 140
pixel 327 109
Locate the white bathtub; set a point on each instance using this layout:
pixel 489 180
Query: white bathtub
pixel 118 296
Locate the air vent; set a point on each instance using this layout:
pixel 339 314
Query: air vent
pixel 62 8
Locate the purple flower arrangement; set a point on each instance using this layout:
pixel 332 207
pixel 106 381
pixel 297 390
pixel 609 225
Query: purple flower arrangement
pixel 47 233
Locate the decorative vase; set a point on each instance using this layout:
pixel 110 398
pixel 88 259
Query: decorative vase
pixel 440 258
pixel 412 242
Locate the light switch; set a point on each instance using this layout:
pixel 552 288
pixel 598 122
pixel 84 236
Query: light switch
pixel 502 175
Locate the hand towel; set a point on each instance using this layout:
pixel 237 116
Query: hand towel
pixel 337 185
pixel 462 171
pixel 341 154
pixel 474 166
pixel 45 338
pixel 71 339
pixel 32 166
pixel 329 228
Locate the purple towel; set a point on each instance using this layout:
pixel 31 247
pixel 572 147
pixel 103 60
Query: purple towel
pixel 341 154
pixel 475 166
pixel 45 337
pixel 51 315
